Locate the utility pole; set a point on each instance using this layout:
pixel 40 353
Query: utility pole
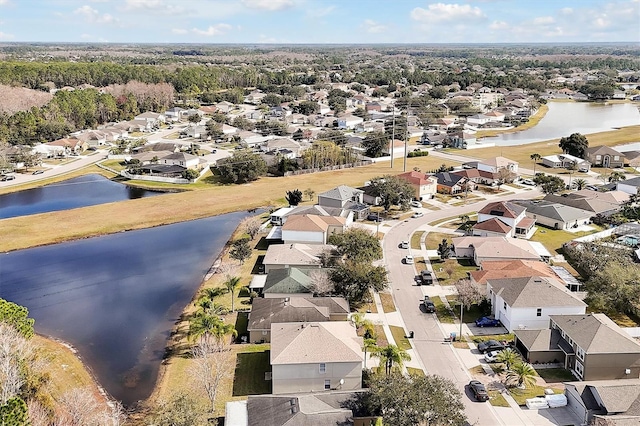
pixel 406 135
pixel 393 132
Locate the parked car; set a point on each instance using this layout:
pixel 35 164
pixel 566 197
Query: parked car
pixel 404 244
pixel 591 187
pixel 428 305
pixel 426 277
pixel 416 204
pixel 374 218
pixel 408 259
pixel 7 177
pixel 417 214
pixel 478 390
pixel 491 356
pixel 38 172
pixel 487 322
pixel 490 345
pixel 528 182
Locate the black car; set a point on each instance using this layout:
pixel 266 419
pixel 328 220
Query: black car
pixel 374 218
pixel 428 305
pixel 478 390
pixel 426 277
pixel 490 345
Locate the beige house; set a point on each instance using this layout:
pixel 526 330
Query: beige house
pixel 591 346
pixel 604 156
pixel 265 312
pixel 298 255
pixel 315 357
pixel 425 186
pixel 311 229
pixel 481 249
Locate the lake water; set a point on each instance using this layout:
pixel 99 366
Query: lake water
pixel 87 190
pixel 115 298
pixel 565 118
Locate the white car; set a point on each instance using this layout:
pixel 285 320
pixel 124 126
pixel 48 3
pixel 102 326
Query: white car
pixel 404 244
pixel 417 214
pixel 416 204
pixel 491 356
pixel 408 259
pixel 528 182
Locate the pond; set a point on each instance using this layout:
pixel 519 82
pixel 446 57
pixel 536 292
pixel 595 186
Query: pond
pixel 87 190
pixel 115 298
pixel 565 118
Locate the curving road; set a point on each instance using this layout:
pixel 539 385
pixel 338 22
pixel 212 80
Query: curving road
pixel 437 357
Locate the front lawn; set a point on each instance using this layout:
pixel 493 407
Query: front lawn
pixel 499 337
pixel 521 395
pixel 496 399
pixel 553 239
pixel 468 315
pixel 443 312
pixel 434 238
pixel 400 338
pixel 451 270
pixel 415 240
pixel 555 375
pixel 387 302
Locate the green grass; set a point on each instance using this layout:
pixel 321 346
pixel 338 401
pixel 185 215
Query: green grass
pixel 555 375
pixel 496 399
pixel 415 240
pixel 443 312
pixel 457 267
pixel 521 395
pixel 477 370
pixel 468 315
pixel 250 372
pixel 415 371
pixel 499 337
pixel 398 334
pixel 434 238
pixel 553 239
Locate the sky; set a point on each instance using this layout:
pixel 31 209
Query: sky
pixel 320 21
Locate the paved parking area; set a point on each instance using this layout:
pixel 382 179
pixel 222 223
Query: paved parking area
pixel 484 331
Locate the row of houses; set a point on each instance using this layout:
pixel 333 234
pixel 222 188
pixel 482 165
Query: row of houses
pixel 597 156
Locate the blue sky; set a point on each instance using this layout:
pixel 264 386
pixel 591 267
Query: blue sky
pixel 320 21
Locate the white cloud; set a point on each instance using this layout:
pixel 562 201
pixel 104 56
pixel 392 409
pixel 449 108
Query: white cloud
pixel 270 5
pixel 498 25
pixel 320 13
pixel 5 36
pixel 3 2
pixel 440 12
pixel 544 20
pixel 143 4
pixel 179 31
pixel 213 30
pixel 566 11
pixel 373 27
pixel 93 16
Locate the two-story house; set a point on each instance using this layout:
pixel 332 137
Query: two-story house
pixel 527 302
pixel 311 228
pixel 315 357
pixel 604 156
pixel 424 186
pixel 503 218
pixel 591 346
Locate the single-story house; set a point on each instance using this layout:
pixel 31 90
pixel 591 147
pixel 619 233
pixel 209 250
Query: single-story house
pixel 517 268
pixel 349 121
pixel 592 201
pixel 295 255
pixel 527 302
pixel 268 311
pixel 288 282
pixel 311 229
pixel 481 249
pixel 629 186
pixel 315 357
pixel 564 161
pixel 555 215
pixel 70 145
pixel 496 164
pixel 449 183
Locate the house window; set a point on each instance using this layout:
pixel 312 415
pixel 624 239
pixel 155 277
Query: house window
pixel 598 157
pixel 539 312
pixel 580 353
pixel 327 384
pixel 616 158
pixel 504 305
pixel 323 368
pixel 579 368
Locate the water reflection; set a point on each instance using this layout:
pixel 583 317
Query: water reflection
pixel 116 297
pixel 565 118
pixel 81 191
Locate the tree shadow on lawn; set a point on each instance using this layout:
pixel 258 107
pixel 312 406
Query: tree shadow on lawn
pixel 249 378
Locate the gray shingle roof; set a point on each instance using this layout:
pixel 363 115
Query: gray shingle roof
pixel 267 311
pixel 557 211
pixel 534 292
pixel 342 193
pixel 289 281
pixel 596 333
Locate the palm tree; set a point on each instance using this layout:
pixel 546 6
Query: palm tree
pixel 508 357
pixel 535 157
pixel 572 167
pixel 616 177
pixel 202 324
pixel 208 306
pixel 231 283
pixel 522 375
pixel 390 355
pixel 579 184
pixel 211 292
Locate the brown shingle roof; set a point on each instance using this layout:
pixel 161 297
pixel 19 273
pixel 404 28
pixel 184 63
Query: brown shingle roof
pixel 596 333
pixel 310 222
pixel 503 209
pixel 493 225
pixel 527 292
pixel 495 269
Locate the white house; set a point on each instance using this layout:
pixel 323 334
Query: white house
pixel 315 357
pixel 512 218
pixel 349 121
pixel 478 120
pixel 526 303
pixel 311 229
pixel 495 164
